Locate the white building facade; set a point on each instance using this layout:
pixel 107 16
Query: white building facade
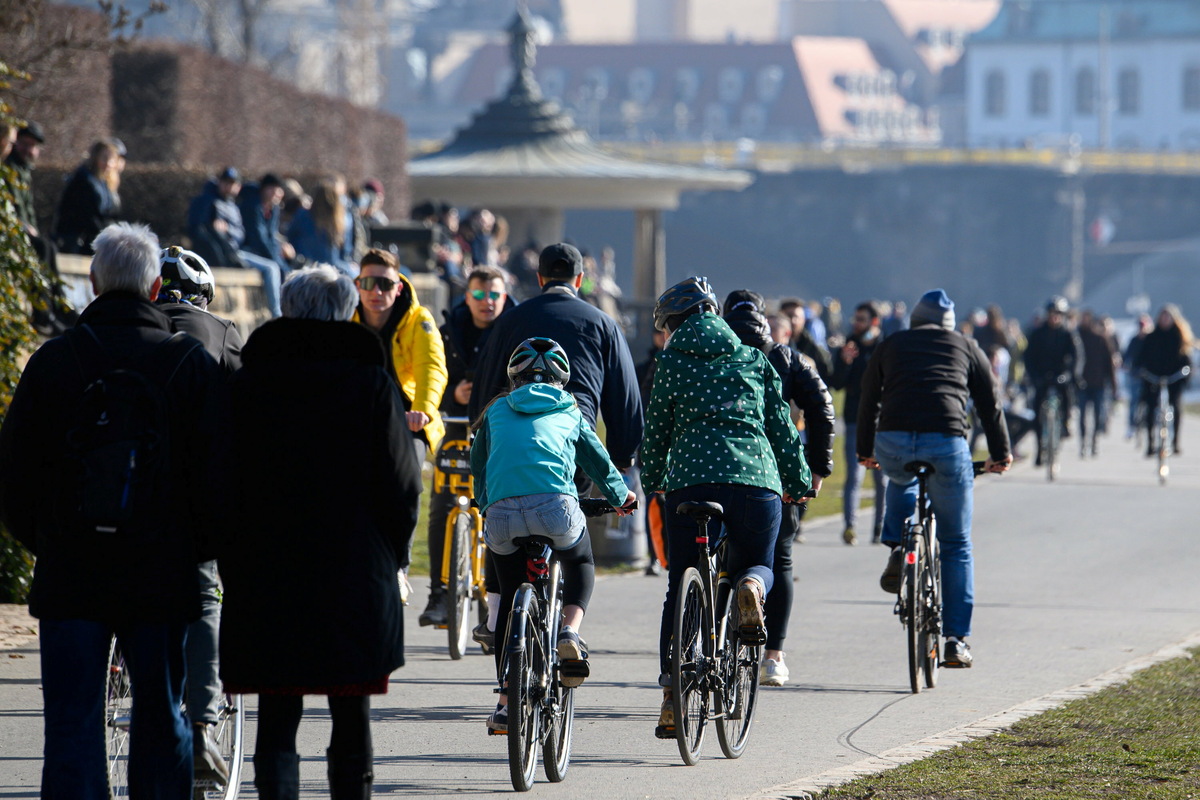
pixel 1053 73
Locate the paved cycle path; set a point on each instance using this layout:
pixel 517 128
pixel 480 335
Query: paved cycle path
pixel 1073 579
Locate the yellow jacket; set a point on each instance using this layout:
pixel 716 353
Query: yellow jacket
pixel 418 359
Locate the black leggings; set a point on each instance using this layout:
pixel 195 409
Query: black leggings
pixel 778 605
pixel 279 719
pixel 579 578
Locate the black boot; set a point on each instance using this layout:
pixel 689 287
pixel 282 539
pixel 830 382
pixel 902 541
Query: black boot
pixel 435 609
pixel 277 776
pixel 350 776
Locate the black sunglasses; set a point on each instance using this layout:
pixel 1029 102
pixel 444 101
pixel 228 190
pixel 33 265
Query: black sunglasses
pixel 369 282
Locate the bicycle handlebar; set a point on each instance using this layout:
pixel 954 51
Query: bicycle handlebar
pixel 598 506
pixel 455 420
pixel 1164 380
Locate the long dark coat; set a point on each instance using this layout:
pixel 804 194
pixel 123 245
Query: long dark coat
pixel 324 489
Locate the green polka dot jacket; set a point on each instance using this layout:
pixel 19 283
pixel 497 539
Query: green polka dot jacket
pixel 717 415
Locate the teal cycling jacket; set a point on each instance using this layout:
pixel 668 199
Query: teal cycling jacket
pixel 530 443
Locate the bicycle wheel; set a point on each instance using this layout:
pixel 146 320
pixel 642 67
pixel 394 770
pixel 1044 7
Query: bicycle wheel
pixel 557 752
pixel 458 616
pixel 738 698
pixel 689 668
pixel 931 625
pixel 1050 435
pixel 523 677
pixel 231 717
pixel 118 701
pixel 1164 425
pixel 910 592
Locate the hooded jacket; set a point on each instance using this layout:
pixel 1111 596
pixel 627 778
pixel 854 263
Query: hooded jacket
pixel 218 249
pixel 801 385
pixel 463 343
pixel 418 360
pixel 530 442
pixel 717 415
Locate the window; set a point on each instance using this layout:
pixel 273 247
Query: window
pixel 1128 92
pixel 1085 92
pixel 1191 89
pixel 994 94
pixel 1039 93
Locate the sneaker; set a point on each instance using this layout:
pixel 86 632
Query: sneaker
pixel 497 723
pixel 751 626
pixel 849 536
pixel 798 538
pixel 653 569
pixel 889 581
pixel 435 611
pixel 957 654
pixel 666 718
pixel 773 673
pixel 206 756
pixel 485 637
pixel 572 656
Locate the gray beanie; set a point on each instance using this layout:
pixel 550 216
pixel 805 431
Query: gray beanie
pixel 934 308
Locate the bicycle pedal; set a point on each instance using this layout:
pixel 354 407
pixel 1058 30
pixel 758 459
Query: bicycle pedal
pixel 752 635
pixel 574 669
pixel 492 732
pixel 441 627
pixel 662 732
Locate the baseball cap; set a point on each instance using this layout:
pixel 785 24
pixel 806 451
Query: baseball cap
pixel 560 261
pixel 31 128
pixel 229 174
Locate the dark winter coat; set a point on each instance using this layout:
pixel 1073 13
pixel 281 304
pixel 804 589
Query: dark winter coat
pixel 463 343
pixel 220 337
pixel 849 376
pixel 801 384
pixel 1052 352
pixel 218 249
pixel 323 492
pixel 603 379
pixel 1162 353
pixel 87 206
pixel 919 380
pixel 1099 370
pixel 114 578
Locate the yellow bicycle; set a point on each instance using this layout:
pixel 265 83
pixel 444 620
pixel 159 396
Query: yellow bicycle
pixel 465 551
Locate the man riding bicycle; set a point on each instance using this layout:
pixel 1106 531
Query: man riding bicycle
pixel 1053 360
pixel 914 393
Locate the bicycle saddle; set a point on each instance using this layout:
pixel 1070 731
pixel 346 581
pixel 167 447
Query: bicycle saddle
pixel 700 511
pixel 533 541
pixel 917 467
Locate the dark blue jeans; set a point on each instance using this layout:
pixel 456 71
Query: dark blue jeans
pixel 752 518
pixel 74 661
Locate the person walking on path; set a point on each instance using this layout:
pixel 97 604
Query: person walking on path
pixel 321 517
pixel 111 559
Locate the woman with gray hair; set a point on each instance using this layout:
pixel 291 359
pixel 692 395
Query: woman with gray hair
pixel 324 486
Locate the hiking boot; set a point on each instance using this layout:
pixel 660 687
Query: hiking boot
pixel 572 656
pixel 957 655
pixel 207 761
pixel 751 626
pixel 773 673
pixel 889 581
pixel 435 610
pixel 849 536
pixel 497 723
pixel 485 637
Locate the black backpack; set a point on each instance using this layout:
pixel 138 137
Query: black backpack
pixel 115 478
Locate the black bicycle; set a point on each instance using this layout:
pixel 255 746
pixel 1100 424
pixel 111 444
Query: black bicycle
pixel 1052 413
pixel 919 604
pixel 541 710
pixel 709 659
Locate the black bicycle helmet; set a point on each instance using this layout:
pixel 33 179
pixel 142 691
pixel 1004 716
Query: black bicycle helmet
pixel 1058 304
pixel 186 276
pixel 539 360
pixel 690 296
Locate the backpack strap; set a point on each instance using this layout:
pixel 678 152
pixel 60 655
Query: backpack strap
pixel 94 359
pixel 169 355
pixel 91 355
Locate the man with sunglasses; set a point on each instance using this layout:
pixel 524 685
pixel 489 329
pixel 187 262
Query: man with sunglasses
pixel 463 337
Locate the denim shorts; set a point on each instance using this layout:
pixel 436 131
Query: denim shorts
pixel 555 516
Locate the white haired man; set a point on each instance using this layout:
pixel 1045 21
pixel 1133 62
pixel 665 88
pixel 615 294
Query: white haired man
pixel 113 556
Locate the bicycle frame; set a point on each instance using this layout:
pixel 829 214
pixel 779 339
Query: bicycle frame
pixel 1164 421
pixel 452 474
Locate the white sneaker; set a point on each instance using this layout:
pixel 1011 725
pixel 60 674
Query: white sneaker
pixel 772 673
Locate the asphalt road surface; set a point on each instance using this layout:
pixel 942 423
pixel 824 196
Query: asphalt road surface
pixel 1072 579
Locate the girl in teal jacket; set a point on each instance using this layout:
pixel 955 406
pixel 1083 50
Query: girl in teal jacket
pixel 717 430
pixel 523 460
